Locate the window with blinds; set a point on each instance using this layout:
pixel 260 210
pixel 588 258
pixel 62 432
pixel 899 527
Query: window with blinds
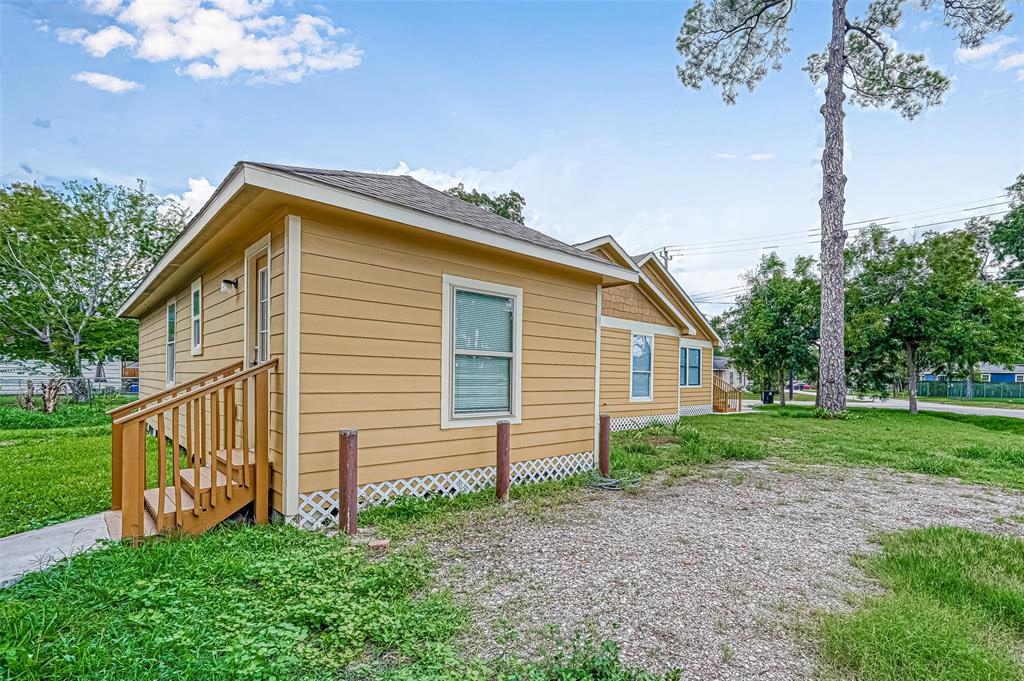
pixel 197 316
pixel 482 352
pixel 171 326
pixel 642 370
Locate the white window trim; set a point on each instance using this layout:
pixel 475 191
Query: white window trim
pixel 170 347
pixel 256 248
pixel 650 397
pixel 196 338
pixel 1018 378
pixel 984 378
pixel 700 373
pixel 703 346
pixel 448 418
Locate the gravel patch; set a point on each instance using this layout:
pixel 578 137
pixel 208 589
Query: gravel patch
pixel 714 573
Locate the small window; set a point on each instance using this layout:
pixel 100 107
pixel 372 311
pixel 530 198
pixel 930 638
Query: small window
pixel 641 378
pixel 263 314
pixel 690 367
pixel 1019 378
pixel 482 352
pixel 171 323
pixel 197 317
pixel 985 378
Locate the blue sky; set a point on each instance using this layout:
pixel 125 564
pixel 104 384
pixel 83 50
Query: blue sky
pixel 576 105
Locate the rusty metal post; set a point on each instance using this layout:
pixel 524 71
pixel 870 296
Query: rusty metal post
pixel 348 467
pixel 604 453
pixel 503 460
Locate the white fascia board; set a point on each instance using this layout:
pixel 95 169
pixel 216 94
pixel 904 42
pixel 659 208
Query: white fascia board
pixel 227 189
pixel 638 327
pixel 682 292
pixel 608 240
pixel 340 198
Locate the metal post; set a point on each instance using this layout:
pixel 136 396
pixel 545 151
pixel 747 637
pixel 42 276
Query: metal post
pixel 604 454
pixel 503 460
pixel 348 466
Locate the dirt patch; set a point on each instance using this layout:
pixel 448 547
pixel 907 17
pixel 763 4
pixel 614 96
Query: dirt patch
pixel 715 573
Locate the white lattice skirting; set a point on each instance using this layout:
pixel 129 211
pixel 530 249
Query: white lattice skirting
pixel 644 420
pixel 317 509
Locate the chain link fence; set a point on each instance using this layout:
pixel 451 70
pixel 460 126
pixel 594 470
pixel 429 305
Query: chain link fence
pixel 958 390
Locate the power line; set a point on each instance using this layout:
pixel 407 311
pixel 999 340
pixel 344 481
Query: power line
pixel 882 221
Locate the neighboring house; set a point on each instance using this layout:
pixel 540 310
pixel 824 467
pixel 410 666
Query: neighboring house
pixel 988 373
pixel 377 303
pixel 656 347
pixel 730 374
pixel 15 373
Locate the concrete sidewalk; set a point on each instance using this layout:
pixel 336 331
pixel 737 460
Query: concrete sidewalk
pixel 904 405
pixel 38 549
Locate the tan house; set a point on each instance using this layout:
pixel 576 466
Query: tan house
pixel 300 301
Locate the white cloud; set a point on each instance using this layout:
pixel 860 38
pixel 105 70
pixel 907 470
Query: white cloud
pixel 214 39
pixel 106 82
pixel 967 54
pixel 1010 62
pixel 42 25
pixel 725 157
pixel 199 192
pixel 761 157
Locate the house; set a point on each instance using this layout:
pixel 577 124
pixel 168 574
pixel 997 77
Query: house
pixel 725 370
pixel 988 373
pixel 656 347
pixel 299 302
pixel 111 376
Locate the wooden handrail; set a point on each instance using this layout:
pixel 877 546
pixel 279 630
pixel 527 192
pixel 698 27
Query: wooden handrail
pixel 205 390
pixel 117 412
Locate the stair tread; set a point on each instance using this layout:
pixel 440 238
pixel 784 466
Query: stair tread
pixel 188 475
pixel 113 520
pixel 237 456
pixel 152 497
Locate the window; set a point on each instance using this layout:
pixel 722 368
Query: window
pixel 263 314
pixel 689 367
pixel 197 317
pixel 170 341
pixel 985 378
pixel 483 328
pixel 1019 378
pixel 641 383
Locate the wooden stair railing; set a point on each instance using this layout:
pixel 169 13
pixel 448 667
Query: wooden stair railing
pixel 211 454
pixel 141 403
pixel 725 397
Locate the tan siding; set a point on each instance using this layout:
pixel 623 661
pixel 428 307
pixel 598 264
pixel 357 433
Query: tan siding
pixel 629 302
pixel 371 355
pixel 615 372
pixel 701 395
pixel 223 332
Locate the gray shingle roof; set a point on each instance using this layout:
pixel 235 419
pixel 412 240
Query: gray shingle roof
pixel 407 192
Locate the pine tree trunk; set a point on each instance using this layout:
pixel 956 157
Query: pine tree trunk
pixel 912 377
pixel 782 386
pixel 832 355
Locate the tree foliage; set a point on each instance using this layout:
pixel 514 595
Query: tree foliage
pixel 509 205
pixel 774 326
pixel 734 44
pixel 1007 236
pixel 68 258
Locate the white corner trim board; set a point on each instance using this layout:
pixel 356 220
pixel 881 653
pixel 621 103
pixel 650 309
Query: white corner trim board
pixel 638 327
pixel 597 375
pixel 292 335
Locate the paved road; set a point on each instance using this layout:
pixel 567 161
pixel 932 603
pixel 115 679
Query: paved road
pixel 922 406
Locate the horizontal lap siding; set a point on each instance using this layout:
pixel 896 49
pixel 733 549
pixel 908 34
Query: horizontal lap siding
pixel 615 373
pixel 223 334
pixel 702 395
pixel 371 356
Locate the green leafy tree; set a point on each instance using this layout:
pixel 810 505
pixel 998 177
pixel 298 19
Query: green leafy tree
pixel 509 205
pixel 68 259
pixel 1007 236
pixel 774 326
pixel 733 44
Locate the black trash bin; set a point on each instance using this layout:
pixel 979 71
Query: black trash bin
pixel 767 397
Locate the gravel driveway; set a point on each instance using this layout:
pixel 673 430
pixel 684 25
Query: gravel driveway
pixel 712 573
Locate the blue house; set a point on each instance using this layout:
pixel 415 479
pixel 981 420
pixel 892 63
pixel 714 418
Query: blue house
pixel 989 373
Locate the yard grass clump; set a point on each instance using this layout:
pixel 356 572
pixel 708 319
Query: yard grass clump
pixel 69 414
pixel 954 611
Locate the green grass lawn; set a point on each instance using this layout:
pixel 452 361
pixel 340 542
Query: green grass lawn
pixel 1001 402
pixel 954 611
pixel 256 602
